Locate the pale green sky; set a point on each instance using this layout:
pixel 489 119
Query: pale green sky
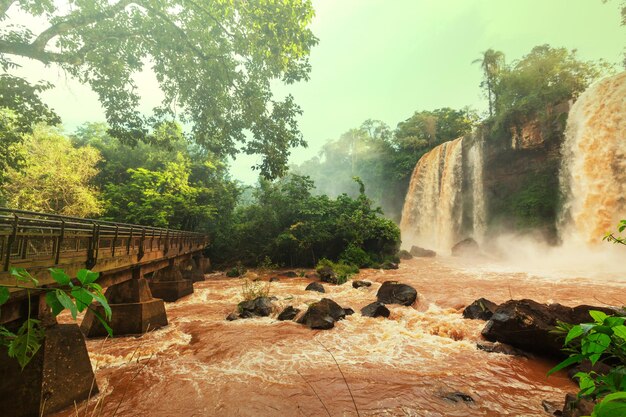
pixel 384 59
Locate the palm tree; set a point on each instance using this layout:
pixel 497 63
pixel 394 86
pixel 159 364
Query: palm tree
pixel 492 63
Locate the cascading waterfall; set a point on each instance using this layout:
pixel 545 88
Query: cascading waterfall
pixel 479 214
pixel 432 212
pixel 593 168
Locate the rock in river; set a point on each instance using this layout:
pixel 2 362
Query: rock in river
pixel 323 314
pixel 375 309
pixel 481 309
pixel 315 286
pixel 392 292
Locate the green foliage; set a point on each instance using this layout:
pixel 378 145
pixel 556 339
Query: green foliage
pixel 604 340
pixel 354 255
pixel 492 64
pixel 610 237
pixel 343 271
pixel 237 271
pixel 213 61
pixel 293 227
pixel 545 77
pixel 24 343
pixel 54 177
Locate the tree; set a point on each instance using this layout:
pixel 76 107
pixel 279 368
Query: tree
pixel 55 176
pixel 213 60
pixel 545 77
pixel 492 64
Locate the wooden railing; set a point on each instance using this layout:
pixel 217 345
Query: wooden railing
pixel 49 239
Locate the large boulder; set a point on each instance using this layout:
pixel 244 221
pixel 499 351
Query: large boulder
pixel 323 314
pixel 259 307
pixel 577 407
pixel 405 255
pixel 527 324
pixel 375 309
pixel 466 247
pixel 392 292
pixel 481 309
pixel 289 274
pixel 421 252
pixel 327 274
pixel 315 286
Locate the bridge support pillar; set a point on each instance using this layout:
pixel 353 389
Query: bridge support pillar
pixel 133 309
pixel 169 285
pixel 204 264
pixel 42 387
pixel 192 270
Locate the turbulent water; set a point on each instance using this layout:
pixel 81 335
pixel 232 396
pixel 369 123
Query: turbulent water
pixel 203 365
pixel 431 216
pixel 593 173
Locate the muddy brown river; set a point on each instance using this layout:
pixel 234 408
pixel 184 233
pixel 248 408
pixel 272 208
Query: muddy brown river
pixel 203 365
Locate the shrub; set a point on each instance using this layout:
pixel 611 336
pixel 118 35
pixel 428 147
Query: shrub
pixel 341 271
pixel 251 290
pixel 236 271
pixel 604 340
pixel 355 255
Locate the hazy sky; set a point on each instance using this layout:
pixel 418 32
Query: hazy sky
pixel 385 59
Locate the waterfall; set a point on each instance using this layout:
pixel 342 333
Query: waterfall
pixel 593 168
pixel 479 215
pixel 432 212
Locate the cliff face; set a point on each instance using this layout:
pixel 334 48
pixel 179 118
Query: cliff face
pixel 521 175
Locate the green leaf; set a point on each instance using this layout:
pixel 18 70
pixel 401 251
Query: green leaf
pixel 567 362
pixel 620 331
pixel 104 323
pixel 4 295
pixel 614 321
pixel 573 333
pixel 27 342
pixel 594 345
pixel 67 302
pixel 86 276
pixel 585 383
pixel 104 303
pixel 53 302
pixel 22 275
pixel 598 316
pixel 83 298
pixel 613 405
pixel 59 276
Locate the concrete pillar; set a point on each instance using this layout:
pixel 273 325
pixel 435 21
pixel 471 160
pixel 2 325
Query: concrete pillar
pixel 191 270
pixel 204 263
pixel 42 387
pixel 133 309
pixel 169 285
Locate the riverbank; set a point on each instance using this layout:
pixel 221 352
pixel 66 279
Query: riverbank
pixel 405 365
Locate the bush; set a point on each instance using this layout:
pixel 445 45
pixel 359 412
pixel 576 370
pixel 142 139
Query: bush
pixel 355 255
pixel 236 271
pixel 335 272
pixel 251 290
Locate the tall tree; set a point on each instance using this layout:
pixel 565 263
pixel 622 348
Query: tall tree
pixel 492 63
pixel 55 176
pixel 214 61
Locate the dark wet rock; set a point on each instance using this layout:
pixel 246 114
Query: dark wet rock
pixel 421 252
pixel 359 284
pixel 232 317
pixel 288 274
pixel 274 279
pixel 259 307
pixel 481 309
pixel 457 396
pixel 527 325
pixel 327 274
pixel 586 367
pixel 392 292
pixel 389 265
pixel 502 348
pixel 312 275
pixel 323 314
pixel 466 247
pixel 551 408
pixel 315 286
pixel 289 313
pixel 405 255
pixel 577 407
pixel 348 311
pixel 375 309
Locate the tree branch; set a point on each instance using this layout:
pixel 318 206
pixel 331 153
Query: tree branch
pixel 5 5
pixel 76 22
pixel 26 50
